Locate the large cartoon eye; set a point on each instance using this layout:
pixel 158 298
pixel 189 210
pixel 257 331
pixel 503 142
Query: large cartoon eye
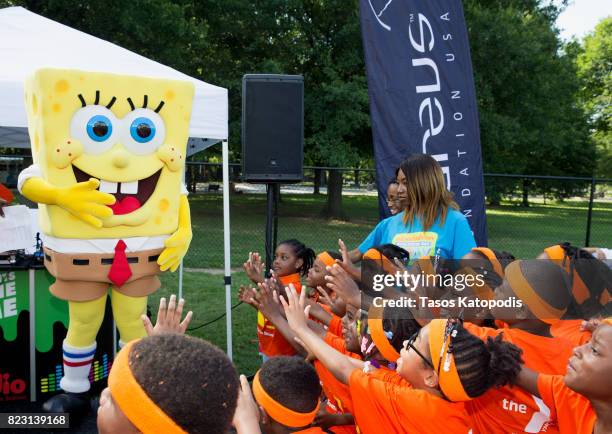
pixel 95 127
pixel 99 128
pixel 144 131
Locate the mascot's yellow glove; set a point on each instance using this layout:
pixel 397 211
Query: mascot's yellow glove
pixel 178 243
pixel 82 200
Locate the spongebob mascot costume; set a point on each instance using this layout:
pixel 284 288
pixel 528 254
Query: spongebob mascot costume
pixel 109 154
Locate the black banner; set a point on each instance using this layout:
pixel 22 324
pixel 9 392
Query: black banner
pixel 422 97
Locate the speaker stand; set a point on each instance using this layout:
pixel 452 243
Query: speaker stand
pixel 273 194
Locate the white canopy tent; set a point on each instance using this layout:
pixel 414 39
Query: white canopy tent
pixel 29 41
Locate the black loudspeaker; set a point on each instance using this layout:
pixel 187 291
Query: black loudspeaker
pixel 272 128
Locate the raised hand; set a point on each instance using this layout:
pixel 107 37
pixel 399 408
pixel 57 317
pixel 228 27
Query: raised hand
pixel 346 262
pixel 266 302
pixel 247 294
pixel 340 281
pixel 168 318
pixel 591 324
pixel 399 264
pixel 253 268
pixel 246 417
pixel 274 282
pixel 324 297
pixel 296 310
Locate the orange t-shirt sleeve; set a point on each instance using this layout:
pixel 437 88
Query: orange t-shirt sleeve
pixel 271 341
pixel 373 404
pixel 572 411
pixel 387 407
pixel 389 376
pixel 546 384
pixel 337 343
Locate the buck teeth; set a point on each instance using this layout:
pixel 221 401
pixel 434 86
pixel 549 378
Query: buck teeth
pixel 108 187
pixel 129 187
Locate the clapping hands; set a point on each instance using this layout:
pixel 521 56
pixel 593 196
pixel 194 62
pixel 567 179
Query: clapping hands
pixel 254 267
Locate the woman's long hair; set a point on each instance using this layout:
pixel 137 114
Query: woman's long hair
pixel 426 195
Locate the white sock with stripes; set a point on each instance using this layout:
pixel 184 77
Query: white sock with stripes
pixel 77 364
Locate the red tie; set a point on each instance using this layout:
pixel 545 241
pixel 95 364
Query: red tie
pixel 120 269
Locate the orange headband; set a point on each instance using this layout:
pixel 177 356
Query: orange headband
pixel 375 326
pixel 448 377
pixel 134 402
pixel 555 252
pixel 483 292
pixel 326 258
pixel 278 411
pixel 492 259
pixel 523 289
pixel 580 292
pixel 375 255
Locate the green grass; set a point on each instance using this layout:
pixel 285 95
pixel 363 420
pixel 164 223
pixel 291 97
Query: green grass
pixel 205 295
pixel 522 231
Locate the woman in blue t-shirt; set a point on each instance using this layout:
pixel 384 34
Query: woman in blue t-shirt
pixel 430 224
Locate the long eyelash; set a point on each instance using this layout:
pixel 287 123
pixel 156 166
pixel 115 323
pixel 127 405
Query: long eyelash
pixel 159 107
pixel 129 100
pixel 111 102
pixel 83 103
pixel 97 97
pixel 146 99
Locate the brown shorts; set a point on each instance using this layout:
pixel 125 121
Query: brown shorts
pixel 84 276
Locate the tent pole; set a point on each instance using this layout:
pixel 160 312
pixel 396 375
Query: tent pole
pixel 180 280
pixel 226 247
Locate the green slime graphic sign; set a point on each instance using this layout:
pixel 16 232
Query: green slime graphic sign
pixel 14 298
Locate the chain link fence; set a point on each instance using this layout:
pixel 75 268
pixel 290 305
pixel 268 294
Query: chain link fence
pixel 524 213
pixel 558 210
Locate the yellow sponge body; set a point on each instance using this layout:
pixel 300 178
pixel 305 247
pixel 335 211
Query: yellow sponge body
pixel 129 132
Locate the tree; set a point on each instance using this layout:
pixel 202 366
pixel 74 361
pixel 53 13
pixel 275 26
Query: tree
pixel 595 70
pixel 527 90
pixel 319 40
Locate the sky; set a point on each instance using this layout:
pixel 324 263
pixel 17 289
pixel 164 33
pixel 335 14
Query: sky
pixel 581 16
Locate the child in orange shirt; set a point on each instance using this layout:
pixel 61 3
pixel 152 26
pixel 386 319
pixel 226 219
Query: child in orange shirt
pixel 508 409
pixel 490 265
pixel 334 414
pixel 287 391
pixel 327 307
pixel 171 384
pixel 442 366
pixel 292 259
pixel 337 413
pixel 263 300
pixel 580 401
